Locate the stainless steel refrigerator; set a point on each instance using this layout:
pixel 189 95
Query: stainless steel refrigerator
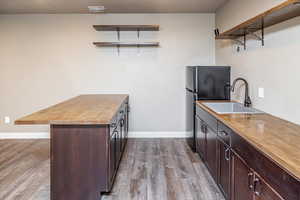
pixel 204 83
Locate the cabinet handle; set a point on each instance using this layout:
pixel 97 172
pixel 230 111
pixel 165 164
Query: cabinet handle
pixel 202 128
pixel 227 154
pixel 256 188
pixel 122 122
pixel 113 133
pixel 224 133
pixel 113 125
pixel 205 129
pixel 250 176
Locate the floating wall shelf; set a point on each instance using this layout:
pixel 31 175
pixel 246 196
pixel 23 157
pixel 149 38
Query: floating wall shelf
pixel 126 27
pixel 119 28
pixel 126 44
pixel 285 11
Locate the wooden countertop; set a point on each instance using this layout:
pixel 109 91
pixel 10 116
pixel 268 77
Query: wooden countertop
pixel 83 109
pixel 276 138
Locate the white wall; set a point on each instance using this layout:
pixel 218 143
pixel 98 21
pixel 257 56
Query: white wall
pixel 274 67
pixel 45 59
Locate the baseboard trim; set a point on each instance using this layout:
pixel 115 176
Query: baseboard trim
pixel 24 135
pixel 132 134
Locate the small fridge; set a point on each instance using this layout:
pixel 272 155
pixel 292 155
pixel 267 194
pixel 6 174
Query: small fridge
pixel 204 83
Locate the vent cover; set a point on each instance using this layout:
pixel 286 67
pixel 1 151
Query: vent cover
pixel 96 9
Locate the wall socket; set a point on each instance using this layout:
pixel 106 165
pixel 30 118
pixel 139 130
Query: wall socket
pixel 261 92
pixel 7 120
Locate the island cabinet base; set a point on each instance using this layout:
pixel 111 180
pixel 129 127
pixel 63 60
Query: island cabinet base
pixel 88 138
pixel 78 161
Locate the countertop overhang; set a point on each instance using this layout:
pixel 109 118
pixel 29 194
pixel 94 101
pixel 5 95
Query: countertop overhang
pixel 276 138
pixel 98 109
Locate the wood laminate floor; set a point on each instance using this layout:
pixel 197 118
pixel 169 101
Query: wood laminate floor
pixel 151 169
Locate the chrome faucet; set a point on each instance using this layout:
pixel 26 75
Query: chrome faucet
pixel 247 102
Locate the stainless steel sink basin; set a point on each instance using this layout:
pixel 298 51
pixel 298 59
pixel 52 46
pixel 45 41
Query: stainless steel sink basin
pixel 231 108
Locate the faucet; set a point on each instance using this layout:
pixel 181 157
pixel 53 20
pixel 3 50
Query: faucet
pixel 247 102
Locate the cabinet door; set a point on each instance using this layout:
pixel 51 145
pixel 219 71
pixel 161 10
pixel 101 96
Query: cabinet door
pixel 123 132
pixel 262 191
pixel 242 180
pixel 112 157
pixel 224 168
pixel 200 138
pixel 118 146
pixel 126 121
pixel 121 135
pixel 211 151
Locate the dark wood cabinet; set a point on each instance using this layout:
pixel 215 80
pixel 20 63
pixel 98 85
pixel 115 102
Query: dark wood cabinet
pixel 85 149
pixel 211 151
pixel 262 190
pixel 126 121
pixel 200 138
pixel 242 187
pixel 248 184
pixel 224 168
pixel 123 132
pixel 118 139
pixel 118 146
pixel 112 157
pixel 241 171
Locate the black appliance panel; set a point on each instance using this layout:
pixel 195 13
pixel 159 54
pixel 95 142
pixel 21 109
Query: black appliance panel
pixel 190 77
pixel 204 83
pixel 213 83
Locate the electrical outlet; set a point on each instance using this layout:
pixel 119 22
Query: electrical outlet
pixel 6 120
pixel 261 92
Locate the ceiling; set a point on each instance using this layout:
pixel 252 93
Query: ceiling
pixel 112 6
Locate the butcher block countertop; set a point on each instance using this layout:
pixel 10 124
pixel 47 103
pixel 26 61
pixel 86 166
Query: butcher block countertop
pixel 276 138
pixel 84 109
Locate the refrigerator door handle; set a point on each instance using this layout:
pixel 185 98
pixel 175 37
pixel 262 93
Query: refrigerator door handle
pixel 189 90
pixel 227 90
pixel 196 80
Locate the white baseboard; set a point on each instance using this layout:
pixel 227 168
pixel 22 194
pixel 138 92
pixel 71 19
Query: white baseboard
pixel 133 134
pixel 24 135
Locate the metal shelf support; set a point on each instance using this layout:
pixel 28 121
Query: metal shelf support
pixel 138 33
pixel 118 33
pixel 241 43
pixel 256 36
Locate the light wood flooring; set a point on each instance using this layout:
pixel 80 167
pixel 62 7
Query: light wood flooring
pixel 151 169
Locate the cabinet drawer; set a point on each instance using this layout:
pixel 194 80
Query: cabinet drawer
pixel 286 185
pixel 207 118
pixel 224 133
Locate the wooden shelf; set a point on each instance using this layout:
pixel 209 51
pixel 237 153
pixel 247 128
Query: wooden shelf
pixel 126 27
pixel 285 11
pixel 119 28
pixel 126 44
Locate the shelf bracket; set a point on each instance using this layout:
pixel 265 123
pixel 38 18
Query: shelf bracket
pixel 118 33
pixel 118 47
pixel 257 37
pixel 241 43
pixel 138 33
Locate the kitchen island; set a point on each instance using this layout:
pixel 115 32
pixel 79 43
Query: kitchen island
pixel 88 138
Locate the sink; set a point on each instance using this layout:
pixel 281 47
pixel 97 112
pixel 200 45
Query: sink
pixel 231 108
